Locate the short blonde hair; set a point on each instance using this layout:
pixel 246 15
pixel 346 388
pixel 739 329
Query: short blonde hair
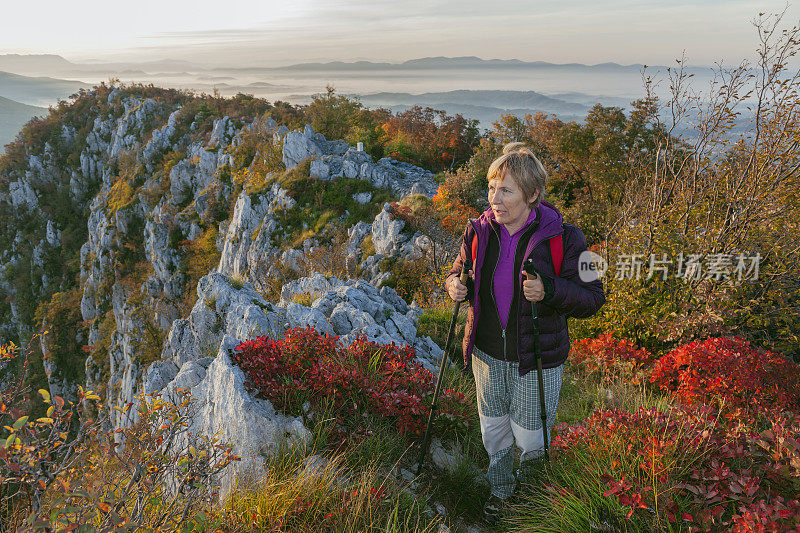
pixel 525 169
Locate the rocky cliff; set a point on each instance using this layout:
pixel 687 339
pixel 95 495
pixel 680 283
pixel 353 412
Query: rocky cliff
pixel 150 238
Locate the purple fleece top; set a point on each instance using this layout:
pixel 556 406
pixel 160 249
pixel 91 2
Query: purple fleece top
pixel 504 274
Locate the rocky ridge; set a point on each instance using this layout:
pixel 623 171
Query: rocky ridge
pixel 140 337
pixel 197 352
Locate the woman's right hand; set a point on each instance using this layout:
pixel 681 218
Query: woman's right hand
pixel 457 290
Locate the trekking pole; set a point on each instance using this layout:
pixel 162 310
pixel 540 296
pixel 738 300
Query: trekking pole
pixel 531 274
pixel 426 441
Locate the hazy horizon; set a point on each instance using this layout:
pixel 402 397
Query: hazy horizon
pixel 246 33
pixel 105 41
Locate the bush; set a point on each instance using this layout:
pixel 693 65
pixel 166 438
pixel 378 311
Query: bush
pixel 161 479
pixel 727 461
pixel 411 279
pixel 457 202
pixel 62 320
pixel 120 195
pixel 365 378
pixel 430 138
pixel 730 373
pixel 333 115
pixel 610 359
pixel 63 470
pixel 256 157
pixel 666 471
pixel 201 256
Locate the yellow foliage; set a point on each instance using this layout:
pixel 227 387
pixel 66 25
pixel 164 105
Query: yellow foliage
pixel 8 351
pixel 119 196
pixel 305 298
pixel 253 182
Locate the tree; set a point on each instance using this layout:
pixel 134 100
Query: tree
pixel 431 138
pixel 331 114
pixel 719 177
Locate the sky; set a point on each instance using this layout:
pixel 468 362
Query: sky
pixel 279 32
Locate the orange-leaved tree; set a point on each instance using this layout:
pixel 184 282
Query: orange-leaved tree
pixel 430 138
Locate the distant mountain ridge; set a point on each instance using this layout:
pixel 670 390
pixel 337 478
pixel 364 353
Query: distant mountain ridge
pixel 503 99
pixel 482 89
pixel 449 62
pixel 37 90
pixel 485 105
pixel 27 64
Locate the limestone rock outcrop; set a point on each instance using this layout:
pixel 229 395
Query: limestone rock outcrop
pixel 157 185
pixel 197 352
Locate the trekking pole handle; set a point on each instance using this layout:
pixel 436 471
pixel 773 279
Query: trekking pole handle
pixel 530 270
pixel 531 274
pixel 465 268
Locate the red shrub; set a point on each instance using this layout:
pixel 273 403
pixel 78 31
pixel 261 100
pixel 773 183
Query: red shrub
pixel 609 358
pixel 684 467
pixel 731 374
pixel 385 381
pixel 403 212
pixel 277 369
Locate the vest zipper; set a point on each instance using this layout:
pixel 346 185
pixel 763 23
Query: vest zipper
pixel 494 301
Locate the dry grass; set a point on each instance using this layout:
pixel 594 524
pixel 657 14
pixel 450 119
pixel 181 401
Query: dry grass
pixel 302 492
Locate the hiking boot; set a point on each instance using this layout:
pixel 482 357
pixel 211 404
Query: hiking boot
pixel 492 509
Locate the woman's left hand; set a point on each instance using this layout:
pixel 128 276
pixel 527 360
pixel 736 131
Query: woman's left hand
pixel 533 289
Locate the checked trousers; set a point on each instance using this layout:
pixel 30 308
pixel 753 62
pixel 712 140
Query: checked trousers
pixel 508 406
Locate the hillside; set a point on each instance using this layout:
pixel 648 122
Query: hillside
pixel 36 90
pixel 243 300
pixel 150 237
pixel 13 115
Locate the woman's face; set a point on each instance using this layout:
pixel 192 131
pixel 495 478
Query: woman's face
pixel 508 202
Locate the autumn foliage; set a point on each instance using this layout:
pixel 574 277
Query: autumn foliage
pixel 722 452
pixel 740 380
pixel 451 200
pixel 65 471
pixel 609 358
pixel 684 468
pixel 430 138
pixel 731 374
pixel 384 381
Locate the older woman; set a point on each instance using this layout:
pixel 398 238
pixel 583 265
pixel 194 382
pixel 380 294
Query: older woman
pixel 499 335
